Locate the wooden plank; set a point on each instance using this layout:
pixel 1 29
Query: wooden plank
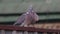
pixel 2 32
pixel 35 32
pixel 14 32
pixel 20 32
pixel 47 25
pixel 25 32
pixel 33 29
pixel 8 32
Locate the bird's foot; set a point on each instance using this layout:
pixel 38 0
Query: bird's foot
pixel 25 25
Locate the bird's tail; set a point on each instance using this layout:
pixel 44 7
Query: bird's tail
pixel 14 24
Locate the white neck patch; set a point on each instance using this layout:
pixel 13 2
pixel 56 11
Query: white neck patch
pixel 27 13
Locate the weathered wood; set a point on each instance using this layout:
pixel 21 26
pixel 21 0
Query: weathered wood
pixel 2 32
pixel 47 26
pixel 25 32
pixel 35 32
pixel 14 32
pixel 20 32
pixel 33 29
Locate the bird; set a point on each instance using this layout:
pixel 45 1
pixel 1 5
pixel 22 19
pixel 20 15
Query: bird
pixel 27 18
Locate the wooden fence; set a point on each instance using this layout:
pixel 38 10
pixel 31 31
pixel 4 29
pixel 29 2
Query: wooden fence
pixel 7 29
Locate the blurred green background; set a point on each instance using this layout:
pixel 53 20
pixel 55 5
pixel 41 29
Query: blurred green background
pixel 20 6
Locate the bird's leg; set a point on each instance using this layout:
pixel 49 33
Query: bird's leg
pixel 26 25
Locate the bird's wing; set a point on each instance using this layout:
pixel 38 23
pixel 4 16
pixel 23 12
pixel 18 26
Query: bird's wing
pixel 20 20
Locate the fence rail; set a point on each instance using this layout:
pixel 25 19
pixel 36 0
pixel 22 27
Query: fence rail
pixel 4 29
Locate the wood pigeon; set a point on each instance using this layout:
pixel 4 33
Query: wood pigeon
pixel 27 18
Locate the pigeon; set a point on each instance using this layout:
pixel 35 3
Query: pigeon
pixel 27 18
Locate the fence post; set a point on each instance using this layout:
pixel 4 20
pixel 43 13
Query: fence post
pixel 2 32
pixel 20 32
pixel 25 32
pixel 14 32
pixel 35 32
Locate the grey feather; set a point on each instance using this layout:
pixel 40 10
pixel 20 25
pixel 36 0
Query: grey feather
pixel 30 16
pixel 20 20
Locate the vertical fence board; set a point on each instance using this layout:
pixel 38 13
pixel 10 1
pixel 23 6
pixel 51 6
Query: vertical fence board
pixel 45 33
pixel 25 32
pixel 8 32
pixel 35 32
pixel 20 32
pixel 14 32
pixel 58 32
pixel 2 32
